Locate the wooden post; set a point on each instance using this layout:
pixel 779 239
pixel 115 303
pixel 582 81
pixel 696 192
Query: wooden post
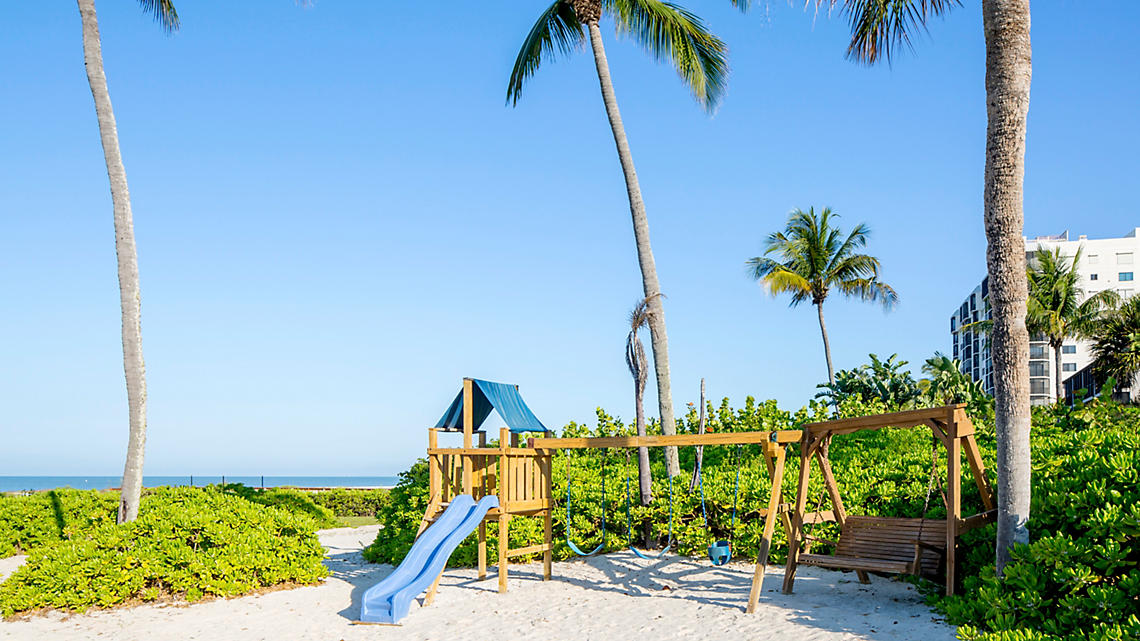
pixel 504 516
pixel 953 505
pixel 468 429
pixel 797 516
pixel 435 481
pixel 482 550
pixel 774 500
pixel 548 515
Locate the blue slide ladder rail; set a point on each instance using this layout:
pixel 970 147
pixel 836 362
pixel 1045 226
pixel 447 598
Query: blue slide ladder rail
pixel 389 600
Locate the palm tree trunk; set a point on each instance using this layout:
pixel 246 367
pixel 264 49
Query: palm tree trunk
pixel 125 252
pixel 700 449
pixel 826 344
pixel 1059 387
pixel 644 472
pixel 1008 74
pixel 658 339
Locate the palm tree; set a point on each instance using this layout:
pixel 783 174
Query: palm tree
pixel 669 32
pixel 814 258
pixel 877 26
pixel 639 369
pixel 948 384
pixel 1055 308
pixel 1116 343
pixel 129 297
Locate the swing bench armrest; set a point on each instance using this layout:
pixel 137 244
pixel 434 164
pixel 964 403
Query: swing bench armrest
pixel 940 549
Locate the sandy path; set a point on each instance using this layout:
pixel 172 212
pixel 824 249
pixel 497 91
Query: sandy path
pixel 602 598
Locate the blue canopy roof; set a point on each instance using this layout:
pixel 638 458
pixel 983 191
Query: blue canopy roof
pixel 501 397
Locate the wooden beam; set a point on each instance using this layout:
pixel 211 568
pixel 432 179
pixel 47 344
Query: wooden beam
pixel 547 516
pixel 978 469
pixel 530 549
pixel 676 440
pixel 905 419
pixel 797 524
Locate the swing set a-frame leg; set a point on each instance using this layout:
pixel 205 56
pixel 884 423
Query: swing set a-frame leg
pixel 774 510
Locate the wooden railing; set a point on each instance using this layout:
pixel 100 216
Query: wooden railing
pixel 519 476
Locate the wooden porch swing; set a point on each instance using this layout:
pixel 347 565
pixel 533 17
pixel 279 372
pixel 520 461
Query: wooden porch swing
pixel 919 546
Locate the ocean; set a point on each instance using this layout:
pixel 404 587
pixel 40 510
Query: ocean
pixel 22 483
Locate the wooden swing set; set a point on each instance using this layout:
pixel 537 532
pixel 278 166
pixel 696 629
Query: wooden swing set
pixel 918 546
pixel 521 478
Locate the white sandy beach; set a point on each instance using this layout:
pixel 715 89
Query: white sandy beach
pixel 602 598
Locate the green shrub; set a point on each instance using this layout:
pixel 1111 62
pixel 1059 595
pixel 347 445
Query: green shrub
pixel 288 499
pixel 187 543
pixel 44 517
pixel 1079 577
pixel 352 502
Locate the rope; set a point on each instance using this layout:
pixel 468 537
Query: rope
pixel 577 550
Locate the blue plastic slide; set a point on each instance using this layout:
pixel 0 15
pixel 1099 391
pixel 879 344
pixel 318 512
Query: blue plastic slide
pixel 388 601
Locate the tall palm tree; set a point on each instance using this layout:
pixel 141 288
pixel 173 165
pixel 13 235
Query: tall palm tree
pixel 1116 343
pixel 1055 308
pixel 667 31
pixel 878 26
pixel 129 297
pixel 813 258
pixel 639 369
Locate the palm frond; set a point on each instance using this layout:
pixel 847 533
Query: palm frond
pixel 557 31
pixel 878 27
pixel 163 12
pixel 671 32
pixel 869 289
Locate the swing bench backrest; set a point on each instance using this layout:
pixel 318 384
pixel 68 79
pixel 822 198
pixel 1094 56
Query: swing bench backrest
pixel 891 545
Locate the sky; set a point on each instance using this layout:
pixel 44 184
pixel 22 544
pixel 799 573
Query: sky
pixel 338 217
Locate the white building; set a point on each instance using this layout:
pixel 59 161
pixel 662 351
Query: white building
pixel 1106 263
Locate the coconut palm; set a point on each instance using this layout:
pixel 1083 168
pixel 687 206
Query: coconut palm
pixel 668 32
pixel 878 27
pixel 1055 308
pixel 639 369
pixel 129 297
pixel 813 258
pixel 1116 343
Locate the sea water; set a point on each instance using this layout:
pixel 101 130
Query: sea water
pixel 22 483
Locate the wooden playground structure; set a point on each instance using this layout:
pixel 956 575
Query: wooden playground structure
pixel 521 478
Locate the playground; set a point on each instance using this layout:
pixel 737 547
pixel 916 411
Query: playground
pixel 478 484
pixel 602 597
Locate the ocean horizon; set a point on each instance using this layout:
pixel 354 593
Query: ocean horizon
pixel 37 483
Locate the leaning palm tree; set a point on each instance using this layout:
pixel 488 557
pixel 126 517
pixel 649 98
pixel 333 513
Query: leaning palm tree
pixel 129 298
pixel 639 369
pixel 877 28
pixel 812 259
pixel 1055 308
pixel 668 32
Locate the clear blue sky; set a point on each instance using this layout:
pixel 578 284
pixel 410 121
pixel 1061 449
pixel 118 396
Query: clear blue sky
pixel 338 218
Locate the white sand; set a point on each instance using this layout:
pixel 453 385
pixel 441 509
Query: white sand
pixel 602 598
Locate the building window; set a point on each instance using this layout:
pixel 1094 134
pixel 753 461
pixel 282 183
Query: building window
pixel 1068 367
pixel 1093 259
pixel 1039 386
pixel 1092 276
pixel 1124 258
pixel 1036 351
pixel 1125 276
pixel 1068 349
pixel 1038 368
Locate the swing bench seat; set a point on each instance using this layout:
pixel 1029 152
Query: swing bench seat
pixel 887 545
